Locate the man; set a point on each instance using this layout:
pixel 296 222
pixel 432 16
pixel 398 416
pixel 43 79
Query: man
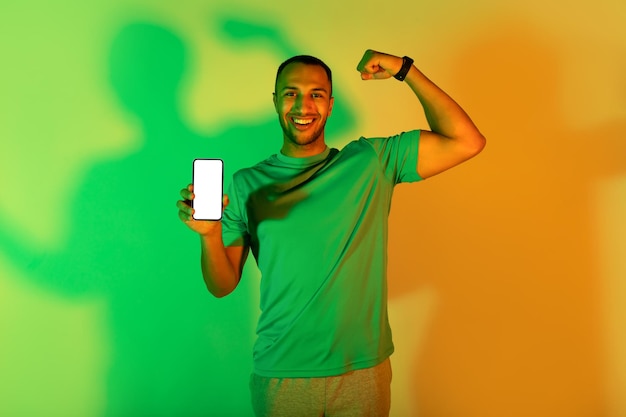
pixel 316 221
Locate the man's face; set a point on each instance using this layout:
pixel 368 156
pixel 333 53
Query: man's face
pixel 303 102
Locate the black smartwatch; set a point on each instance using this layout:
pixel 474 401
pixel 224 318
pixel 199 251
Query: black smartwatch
pixel 406 66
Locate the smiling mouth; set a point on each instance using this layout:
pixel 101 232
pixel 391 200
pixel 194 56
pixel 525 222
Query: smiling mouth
pixel 301 122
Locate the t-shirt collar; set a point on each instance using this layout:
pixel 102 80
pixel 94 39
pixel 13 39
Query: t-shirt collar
pixel 303 162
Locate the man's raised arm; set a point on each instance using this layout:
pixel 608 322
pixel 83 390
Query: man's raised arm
pixel 453 138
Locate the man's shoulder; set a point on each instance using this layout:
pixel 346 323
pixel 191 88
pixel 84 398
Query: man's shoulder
pixel 260 166
pixel 369 141
pixel 356 145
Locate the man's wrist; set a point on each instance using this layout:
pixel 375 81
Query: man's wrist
pixel 407 63
pixel 212 234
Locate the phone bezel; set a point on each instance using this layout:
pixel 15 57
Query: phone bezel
pixel 193 181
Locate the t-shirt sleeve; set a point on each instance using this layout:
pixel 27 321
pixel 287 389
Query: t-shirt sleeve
pixel 234 224
pixel 398 155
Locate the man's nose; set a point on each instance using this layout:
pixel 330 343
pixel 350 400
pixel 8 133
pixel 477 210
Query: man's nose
pixel 303 102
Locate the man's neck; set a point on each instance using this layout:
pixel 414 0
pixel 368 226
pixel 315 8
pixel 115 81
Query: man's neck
pixel 303 151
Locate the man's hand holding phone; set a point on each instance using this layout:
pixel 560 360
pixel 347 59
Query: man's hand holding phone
pixel 186 213
pixel 204 201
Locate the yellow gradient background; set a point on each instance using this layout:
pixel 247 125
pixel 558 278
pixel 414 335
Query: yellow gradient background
pixel 507 274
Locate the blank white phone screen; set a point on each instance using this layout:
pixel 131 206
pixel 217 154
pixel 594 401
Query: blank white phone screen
pixel 208 177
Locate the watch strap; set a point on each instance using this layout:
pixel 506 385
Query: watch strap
pixel 406 67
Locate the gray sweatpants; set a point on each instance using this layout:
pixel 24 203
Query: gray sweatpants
pixel 361 393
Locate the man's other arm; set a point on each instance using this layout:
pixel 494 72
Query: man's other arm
pixel 221 265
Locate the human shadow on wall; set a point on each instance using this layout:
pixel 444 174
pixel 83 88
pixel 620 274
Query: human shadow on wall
pixel 506 242
pixel 175 350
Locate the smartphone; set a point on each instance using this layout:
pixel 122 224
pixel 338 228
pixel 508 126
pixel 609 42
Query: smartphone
pixel 208 188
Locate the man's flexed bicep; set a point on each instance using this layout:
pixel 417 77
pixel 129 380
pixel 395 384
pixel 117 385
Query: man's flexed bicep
pixel 438 153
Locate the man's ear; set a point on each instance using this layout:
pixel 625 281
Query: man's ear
pixel 275 102
pixel 330 107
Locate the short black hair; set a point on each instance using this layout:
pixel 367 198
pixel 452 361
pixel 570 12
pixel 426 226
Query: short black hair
pixel 307 60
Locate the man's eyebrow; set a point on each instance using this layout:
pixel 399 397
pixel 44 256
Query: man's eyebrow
pixel 289 87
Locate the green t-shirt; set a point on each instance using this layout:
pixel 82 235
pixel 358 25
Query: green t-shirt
pixel 317 227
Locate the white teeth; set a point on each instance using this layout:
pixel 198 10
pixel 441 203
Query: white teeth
pixel 302 121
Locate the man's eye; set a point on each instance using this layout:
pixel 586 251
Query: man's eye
pixel 290 94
